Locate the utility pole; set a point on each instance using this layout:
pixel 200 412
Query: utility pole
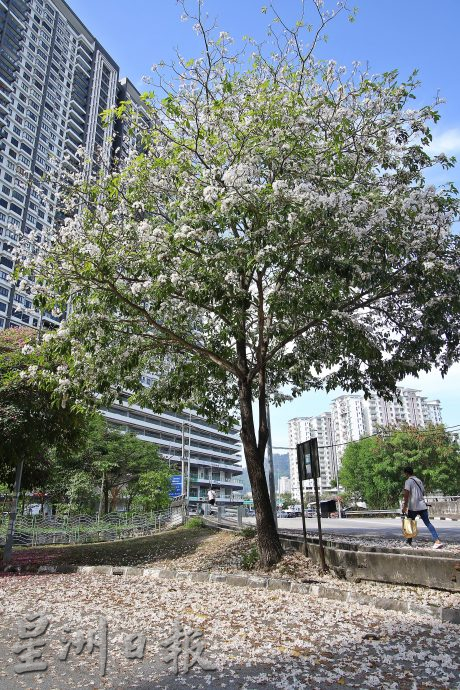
pixel 182 483
pixel 188 462
pixel 8 550
pixel 271 470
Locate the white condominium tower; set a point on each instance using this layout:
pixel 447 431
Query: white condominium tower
pixel 302 429
pixel 350 418
pixel 55 79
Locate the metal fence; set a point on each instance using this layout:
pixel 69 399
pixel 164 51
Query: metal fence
pixel 224 515
pixel 37 530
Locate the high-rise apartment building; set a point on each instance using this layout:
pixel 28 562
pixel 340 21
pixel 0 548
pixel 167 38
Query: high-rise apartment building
pixel 302 429
pixel 284 485
pixel 55 79
pixel 350 418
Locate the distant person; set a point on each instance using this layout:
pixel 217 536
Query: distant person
pixel 211 497
pixel 414 504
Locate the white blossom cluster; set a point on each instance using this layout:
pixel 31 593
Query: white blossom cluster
pixel 274 222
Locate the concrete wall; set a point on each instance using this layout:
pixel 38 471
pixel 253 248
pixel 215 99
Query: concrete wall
pixel 445 508
pixel 389 566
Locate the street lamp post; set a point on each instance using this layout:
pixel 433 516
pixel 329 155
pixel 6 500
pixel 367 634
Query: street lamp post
pixel 182 484
pixel 336 469
pixel 271 471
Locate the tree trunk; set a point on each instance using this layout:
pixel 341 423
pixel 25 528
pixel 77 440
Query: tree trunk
pixel 106 498
pixel 101 497
pixel 270 549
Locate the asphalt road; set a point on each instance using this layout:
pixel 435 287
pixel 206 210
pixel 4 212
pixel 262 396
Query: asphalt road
pixel 362 528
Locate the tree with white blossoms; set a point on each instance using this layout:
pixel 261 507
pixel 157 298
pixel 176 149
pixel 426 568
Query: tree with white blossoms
pixel 273 233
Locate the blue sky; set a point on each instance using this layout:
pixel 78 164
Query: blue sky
pixel 388 34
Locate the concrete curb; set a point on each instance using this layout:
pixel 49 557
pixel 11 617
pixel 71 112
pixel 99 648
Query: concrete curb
pixel 440 613
pixel 390 566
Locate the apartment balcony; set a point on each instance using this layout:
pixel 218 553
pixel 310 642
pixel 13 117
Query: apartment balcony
pixel 74 138
pixel 167 432
pixel 216 482
pixel 20 8
pixel 76 108
pixel 211 464
pixel 203 498
pixel 173 449
pixel 84 61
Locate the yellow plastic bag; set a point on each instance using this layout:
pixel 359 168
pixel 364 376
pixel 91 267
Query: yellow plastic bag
pixel 409 527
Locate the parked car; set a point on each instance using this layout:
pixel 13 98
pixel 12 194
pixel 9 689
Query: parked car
pixel 285 514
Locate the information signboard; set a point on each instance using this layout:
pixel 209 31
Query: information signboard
pixel 308 459
pixel 176 486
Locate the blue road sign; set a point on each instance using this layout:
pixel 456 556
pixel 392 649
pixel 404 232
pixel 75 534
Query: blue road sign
pixel 176 486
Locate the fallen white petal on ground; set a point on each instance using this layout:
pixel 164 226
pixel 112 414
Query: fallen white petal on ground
pixel 224 551
pixel 294 640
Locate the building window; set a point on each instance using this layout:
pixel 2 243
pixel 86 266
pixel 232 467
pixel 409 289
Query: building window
pixel 17 195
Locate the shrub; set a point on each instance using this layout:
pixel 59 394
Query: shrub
pixel 249 560
pixel 194 522
pixel 248 532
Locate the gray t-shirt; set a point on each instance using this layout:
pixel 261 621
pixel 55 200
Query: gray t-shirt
pixel 416 492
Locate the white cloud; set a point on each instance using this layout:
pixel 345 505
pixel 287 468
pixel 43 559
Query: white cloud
pixel 448 142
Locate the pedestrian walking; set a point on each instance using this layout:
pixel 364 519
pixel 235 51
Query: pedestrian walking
pixel 414 504
pixel 211 497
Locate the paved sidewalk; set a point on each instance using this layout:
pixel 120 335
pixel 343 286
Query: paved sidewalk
pixel 256 638
pixel 374 531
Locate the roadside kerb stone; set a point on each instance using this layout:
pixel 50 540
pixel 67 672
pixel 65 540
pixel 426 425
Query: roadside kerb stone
pixel 151 572
pixel 237 580
pixel 444 614
pixel 46 569
pixel 132 571
pixel 328 593
pixel 199 576
pixel 278 583
pixel 450 616
pixel 167 574
pixel 396 567
pixel 217 577
pixel 428 609
pixel 99 569
pixel 257 582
